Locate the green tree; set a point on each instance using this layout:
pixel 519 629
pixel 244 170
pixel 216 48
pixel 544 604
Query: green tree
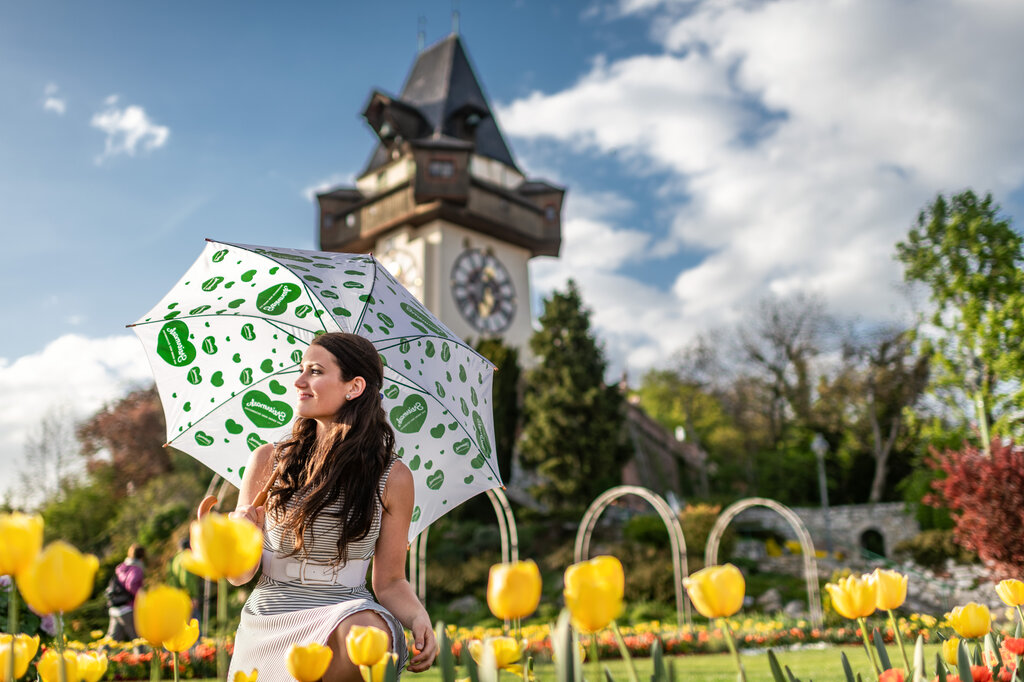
pixel 505 399
pixel 969 258
pixel 573 421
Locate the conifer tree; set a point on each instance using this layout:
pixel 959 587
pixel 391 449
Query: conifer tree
pixel 573 422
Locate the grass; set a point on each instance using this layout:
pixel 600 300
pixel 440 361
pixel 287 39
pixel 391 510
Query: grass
pixel 821 665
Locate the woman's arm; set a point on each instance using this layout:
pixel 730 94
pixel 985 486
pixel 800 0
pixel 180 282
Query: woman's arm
pixel 257 472
pixel 390 586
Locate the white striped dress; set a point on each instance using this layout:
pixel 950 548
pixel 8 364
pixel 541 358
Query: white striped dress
pixel 278 614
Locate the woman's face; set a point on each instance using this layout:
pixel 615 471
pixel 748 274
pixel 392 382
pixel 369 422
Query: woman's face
pixel 320 385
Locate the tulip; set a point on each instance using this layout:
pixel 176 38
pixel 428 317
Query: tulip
pixel 25 648
pixel 716 591
pixel 375 672
pixel 21 538
pixel 1011 592
pixel 970 620
pixel 161 613
pixel 242 677
pixel 507 652
pixel 92 666
pixel 949 650
pixel 308 663
pixel 980 673
pixel 1014 645
pixel 366 645
pixel 891 675
pixel 223 547
pixel 891 588
pixel 185 638
pixel 593 595
pixel 513 590
pixel 60 579
pixel 49 666
pixel 853 597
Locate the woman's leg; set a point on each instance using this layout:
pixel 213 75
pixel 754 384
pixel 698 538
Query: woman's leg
pixel 342 669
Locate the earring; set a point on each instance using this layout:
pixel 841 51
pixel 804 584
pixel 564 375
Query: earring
pixel 348 396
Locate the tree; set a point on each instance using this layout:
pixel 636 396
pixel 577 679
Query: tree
pixel 970 260
pixel 50 450
pixel 573 433
pixel 505 399
pixel 132 431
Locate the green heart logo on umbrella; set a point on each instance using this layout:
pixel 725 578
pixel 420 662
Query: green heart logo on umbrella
pixel 265 412
pixel 274 300
pixel 410 415
pixel 173 345
pixel 435 480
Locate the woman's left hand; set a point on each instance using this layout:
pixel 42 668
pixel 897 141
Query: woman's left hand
pixel 424 646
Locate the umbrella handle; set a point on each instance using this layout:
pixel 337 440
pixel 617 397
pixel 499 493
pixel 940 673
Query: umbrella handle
pixel 210 501
pixel 205 506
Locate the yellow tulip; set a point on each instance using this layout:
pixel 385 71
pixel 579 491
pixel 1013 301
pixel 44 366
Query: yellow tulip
pixel 375 672
pixel 242 677
pixel 891 588
pixel 48 666
pixel 716 591
pixel 21 538
pixel 59 579
pixel 161 613
pixel 366 645
pixel 1011 592
pixel 970 620
pixel 513 590
pixel 308 663
pixel 184 639
pixel 25 648
pixel 593 593
pixel 222 547
pixel 507 652
pixel 949 650
pixel 92 666
pixel 853 597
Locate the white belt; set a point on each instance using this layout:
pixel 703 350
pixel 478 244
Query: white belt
pixel 291 570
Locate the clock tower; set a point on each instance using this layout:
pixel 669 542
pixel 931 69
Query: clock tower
pixel 442 204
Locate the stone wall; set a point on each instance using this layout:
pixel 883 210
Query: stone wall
pixel 847 525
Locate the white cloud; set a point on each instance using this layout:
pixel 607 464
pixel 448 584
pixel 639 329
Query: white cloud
pixel 309 193
pixel 804 135
pixel 128 128
pixel 74 373
pixel 52 102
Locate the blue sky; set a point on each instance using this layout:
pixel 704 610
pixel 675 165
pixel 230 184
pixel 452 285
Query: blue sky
pixel 715 152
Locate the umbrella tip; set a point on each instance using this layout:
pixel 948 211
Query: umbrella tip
pixel 129 326
pixel 208 239
pixel 166 445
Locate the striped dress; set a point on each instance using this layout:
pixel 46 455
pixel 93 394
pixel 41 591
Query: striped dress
pixel 278 614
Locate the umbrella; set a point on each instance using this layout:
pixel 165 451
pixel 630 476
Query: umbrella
pixel 224 345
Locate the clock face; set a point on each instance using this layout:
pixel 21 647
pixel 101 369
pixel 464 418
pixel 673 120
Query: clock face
pixel 483 291
pixel 402 265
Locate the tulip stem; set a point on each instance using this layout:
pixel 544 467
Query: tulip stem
pixel 867 647
pixel 222 622
pixel 899 638
pixel 154 666
pixel 732 648
pixel 174 662
pixel 593 655
pixel 12 624
pixel 1019 613
pixel 62 673
pixel 630 668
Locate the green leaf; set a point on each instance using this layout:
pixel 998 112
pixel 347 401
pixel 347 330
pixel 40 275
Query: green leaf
pixel 607 674
pixel 963 662
pixel 846 668
pixel 940 669
pixel 883 655
pixel 919 671
pixel 773 664
pixel 658 663
pixel 445 660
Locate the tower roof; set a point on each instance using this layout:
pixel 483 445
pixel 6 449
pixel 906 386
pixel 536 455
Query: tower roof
pixel 444 91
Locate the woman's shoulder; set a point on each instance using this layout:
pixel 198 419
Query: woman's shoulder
pixel 398 477
pixel 263 457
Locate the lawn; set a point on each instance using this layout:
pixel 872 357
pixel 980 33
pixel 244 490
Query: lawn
pixel 821 665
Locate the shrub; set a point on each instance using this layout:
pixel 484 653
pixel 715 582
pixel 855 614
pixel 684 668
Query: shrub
pixel 932 547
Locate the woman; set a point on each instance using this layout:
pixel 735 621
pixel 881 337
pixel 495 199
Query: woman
pixel 341 497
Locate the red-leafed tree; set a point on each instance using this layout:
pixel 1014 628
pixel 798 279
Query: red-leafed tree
pixel 986 496
pixel 132 431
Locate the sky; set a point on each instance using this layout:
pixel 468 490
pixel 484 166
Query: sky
pixel 715 152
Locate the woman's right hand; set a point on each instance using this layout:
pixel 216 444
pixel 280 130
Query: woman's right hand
pixel 253 515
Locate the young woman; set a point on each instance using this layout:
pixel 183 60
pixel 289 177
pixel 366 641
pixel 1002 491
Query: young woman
pixel 341 497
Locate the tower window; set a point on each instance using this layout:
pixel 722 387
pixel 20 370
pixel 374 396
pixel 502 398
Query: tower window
pixel 441 168
pixel 550 213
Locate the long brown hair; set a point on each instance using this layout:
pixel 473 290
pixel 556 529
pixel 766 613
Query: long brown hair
pixel 346 463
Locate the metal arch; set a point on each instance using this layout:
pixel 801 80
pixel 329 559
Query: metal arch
pixel 506 529
pixel 806 546
pixel 680 569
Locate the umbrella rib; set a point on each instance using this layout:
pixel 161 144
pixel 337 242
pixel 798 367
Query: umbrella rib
pixel 245 315
pixel 286 370
pixel 305 287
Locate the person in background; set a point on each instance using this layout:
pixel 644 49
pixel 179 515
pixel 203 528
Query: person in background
pixel 121 591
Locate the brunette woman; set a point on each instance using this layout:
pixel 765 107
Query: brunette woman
pixel 341 498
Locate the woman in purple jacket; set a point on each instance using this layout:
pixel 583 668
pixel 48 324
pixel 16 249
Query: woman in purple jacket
pixel 121 591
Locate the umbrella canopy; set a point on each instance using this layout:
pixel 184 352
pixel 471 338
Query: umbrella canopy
pixel 225 343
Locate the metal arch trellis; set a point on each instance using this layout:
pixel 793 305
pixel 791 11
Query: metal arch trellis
pixel 677 541
pixel 506 529
pixel 804 537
